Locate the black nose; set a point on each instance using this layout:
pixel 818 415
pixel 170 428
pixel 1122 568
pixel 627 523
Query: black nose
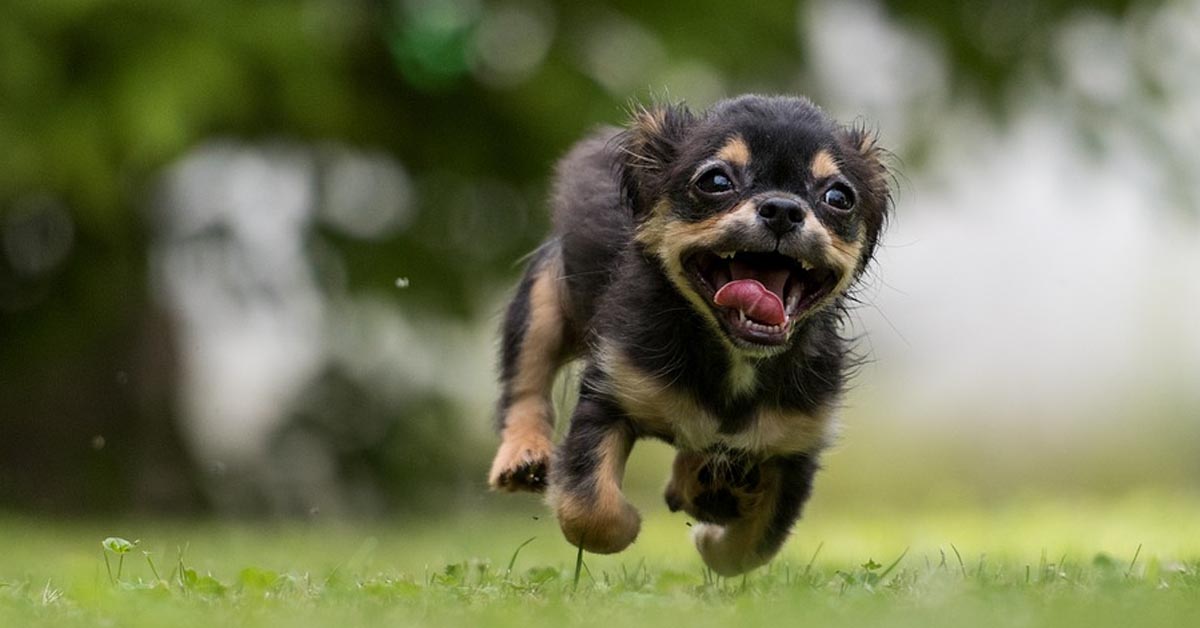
pixel 781 215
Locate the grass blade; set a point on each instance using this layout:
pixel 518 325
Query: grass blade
pixel 512 561
pixel 961 565
pixel 808 567
pixel 883 574
pixel 152 567
pixel 578 566
pixel 1133 562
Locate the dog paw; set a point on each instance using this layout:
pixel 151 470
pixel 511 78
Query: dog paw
pixel 601 526
pixel 713 488
pixel 521 465
pixel 725 551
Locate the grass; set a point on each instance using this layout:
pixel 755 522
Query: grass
pixel 1131 561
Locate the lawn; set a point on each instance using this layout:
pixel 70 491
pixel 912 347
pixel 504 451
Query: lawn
pixel 1115 562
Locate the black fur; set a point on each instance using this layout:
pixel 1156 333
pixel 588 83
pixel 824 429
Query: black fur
pixel 516 323
pixel 619 293
pixel 794 490
pixel 595 418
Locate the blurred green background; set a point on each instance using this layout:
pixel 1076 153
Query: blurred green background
pixel 252 254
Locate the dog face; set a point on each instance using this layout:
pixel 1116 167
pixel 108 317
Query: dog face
pixel 761 211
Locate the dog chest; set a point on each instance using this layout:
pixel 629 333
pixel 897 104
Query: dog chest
pixel 664 409
pixel 659 408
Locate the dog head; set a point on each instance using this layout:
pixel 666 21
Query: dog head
pixel 761 210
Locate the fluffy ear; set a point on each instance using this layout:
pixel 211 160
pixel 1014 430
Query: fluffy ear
pixel 865 142
pixel 872 169
pixel 646 149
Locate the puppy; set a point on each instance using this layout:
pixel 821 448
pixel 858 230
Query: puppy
pixel 698 265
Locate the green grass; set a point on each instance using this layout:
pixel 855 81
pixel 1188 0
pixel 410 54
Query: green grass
pixel 1039 562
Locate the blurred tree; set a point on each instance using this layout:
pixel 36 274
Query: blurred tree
pixel 474 98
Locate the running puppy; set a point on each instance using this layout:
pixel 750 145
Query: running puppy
pixel 698 265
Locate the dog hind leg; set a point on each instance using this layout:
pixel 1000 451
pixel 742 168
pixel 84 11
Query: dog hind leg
pixel 532 350
pixel 755 537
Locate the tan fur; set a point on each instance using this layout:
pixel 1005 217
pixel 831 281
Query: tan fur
pixel 655 404
pixel 733 549
pixel 743 376
pixel 529 421
pixel 868 145
pixel 846 257
pixel 841 255
pixel 684 486
pixel 735 152
pixel 526 439
pixel 824 165
pixel 605 522
pixel 650 121
pixel 869 148
pixel 669 238
pixel 543 339
pixel 774 431
pixel 660 407
pixel 645 124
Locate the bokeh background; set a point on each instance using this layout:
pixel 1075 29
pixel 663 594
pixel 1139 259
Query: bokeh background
pixel 252 254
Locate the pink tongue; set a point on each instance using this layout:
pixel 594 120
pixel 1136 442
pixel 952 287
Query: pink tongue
pixel 753 298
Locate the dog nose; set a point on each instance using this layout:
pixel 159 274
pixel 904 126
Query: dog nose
pixel 781 215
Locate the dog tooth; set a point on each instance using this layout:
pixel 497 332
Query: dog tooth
pixel 806 265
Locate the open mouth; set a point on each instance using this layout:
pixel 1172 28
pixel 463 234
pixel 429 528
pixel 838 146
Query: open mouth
pixel 758 297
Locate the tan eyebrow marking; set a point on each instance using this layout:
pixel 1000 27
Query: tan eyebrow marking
pixel 824 165
pixel 735 152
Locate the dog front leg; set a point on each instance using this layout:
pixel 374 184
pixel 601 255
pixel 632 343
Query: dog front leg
pixel 530 354
pixel 754 538
pixel 585 482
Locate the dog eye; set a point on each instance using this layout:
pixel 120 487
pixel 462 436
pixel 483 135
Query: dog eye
pixel 839 196
pixel 714 181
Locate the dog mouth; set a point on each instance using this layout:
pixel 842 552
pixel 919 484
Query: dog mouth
pixel 758 297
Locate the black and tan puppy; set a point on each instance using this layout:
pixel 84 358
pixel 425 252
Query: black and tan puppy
pixel 698 265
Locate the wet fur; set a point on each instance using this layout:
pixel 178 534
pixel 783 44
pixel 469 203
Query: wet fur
pixel 657 363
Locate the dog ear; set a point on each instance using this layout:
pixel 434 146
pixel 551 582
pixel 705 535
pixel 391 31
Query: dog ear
pixel 645 151
pixel 865 142
pixel 871 168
